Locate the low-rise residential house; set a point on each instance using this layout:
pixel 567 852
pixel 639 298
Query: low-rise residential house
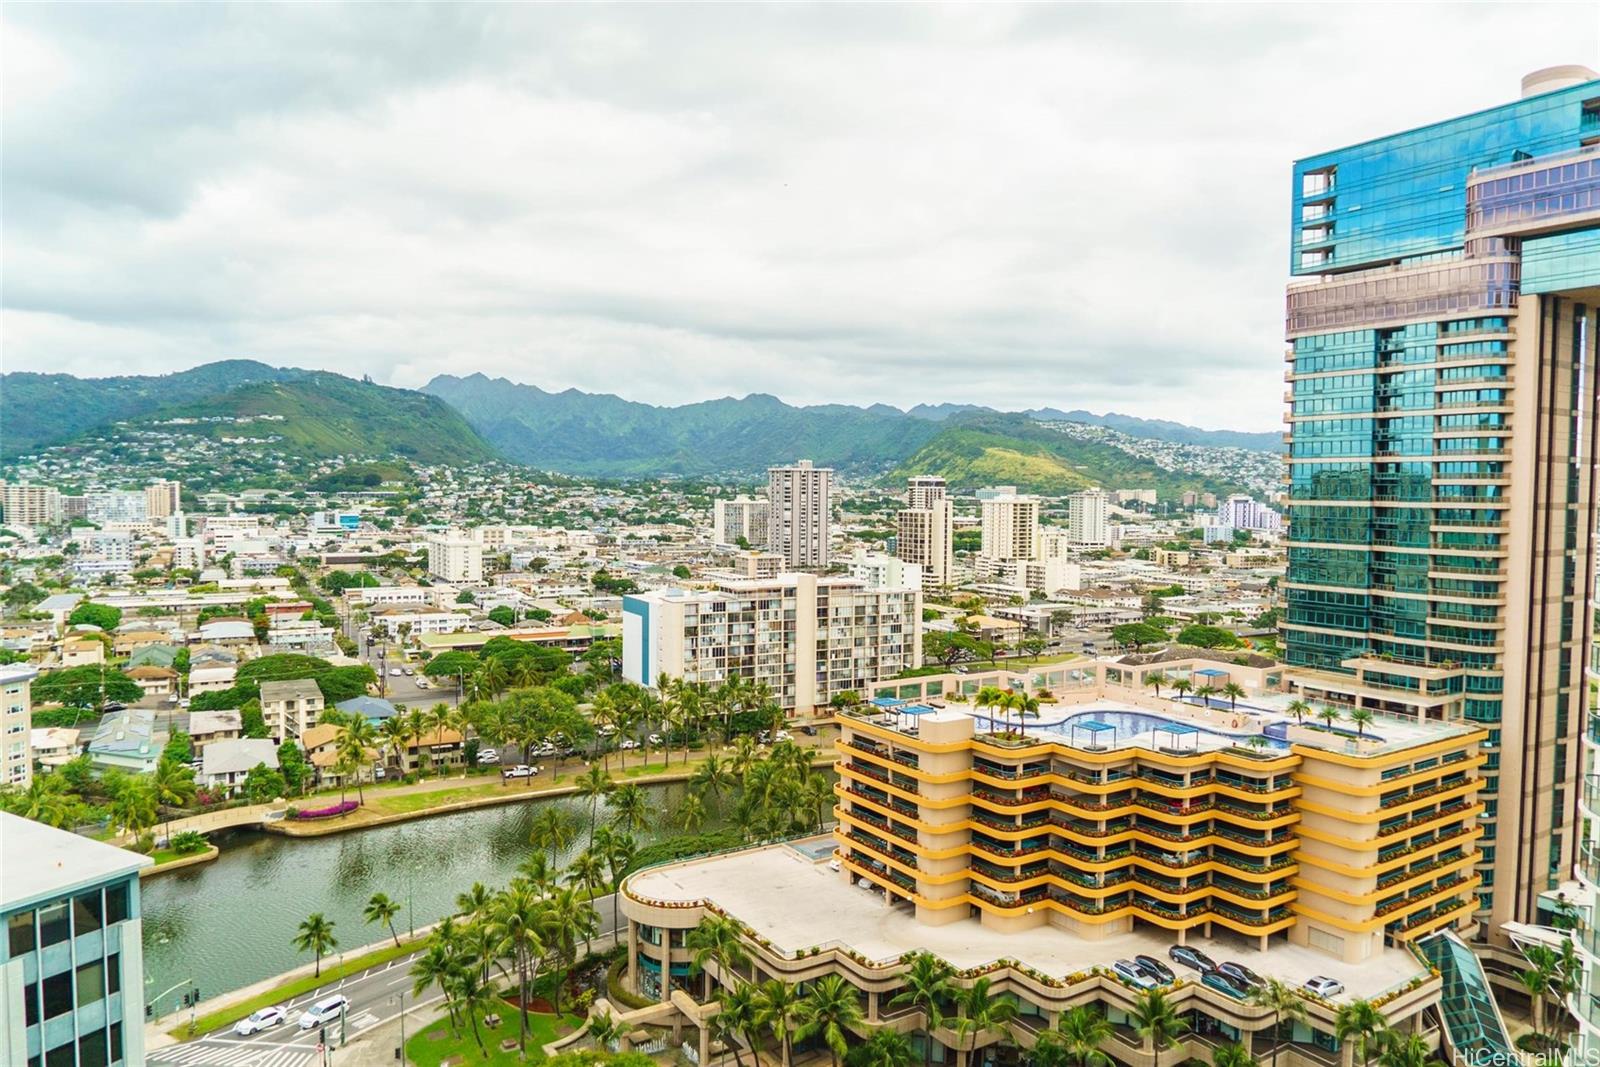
pixel 58 606
pixel 393 621
pixel 82 652
pixel 291 708
pixel 321 744
pixel 155 655
pixel 127 740
pixel 207 727
pixel 434 748
pixel 225 764
pixel 211 679
pixel 126 644
pixel 155 681
pixel 54 745
pixel 212 656
pixel 230 633
pixel 373 709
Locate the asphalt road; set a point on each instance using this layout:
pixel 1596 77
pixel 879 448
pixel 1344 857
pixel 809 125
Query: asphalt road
pixel 375 999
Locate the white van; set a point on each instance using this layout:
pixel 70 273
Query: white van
pixel 324 1011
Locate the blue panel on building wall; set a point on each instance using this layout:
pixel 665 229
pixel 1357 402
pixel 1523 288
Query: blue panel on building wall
pixel 1561 261
pixel 1403 195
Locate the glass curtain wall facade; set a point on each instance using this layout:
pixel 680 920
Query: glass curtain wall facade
pixel 1442 451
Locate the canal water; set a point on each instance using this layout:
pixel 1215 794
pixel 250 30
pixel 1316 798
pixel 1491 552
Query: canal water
pixel 227 924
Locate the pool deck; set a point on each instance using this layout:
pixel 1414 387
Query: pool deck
pixel 798 903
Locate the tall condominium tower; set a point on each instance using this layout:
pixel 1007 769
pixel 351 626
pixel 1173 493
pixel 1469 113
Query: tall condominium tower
pixel 163 498
pixel 799 516
pixel 741 517
pixel 1087 518
pixel 925 528
pixel 1442 451
pixel 1010 528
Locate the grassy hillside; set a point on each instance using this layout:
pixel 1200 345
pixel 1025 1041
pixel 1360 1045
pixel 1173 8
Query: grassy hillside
pixel 321 414
pixel 971 451
pixel 38 410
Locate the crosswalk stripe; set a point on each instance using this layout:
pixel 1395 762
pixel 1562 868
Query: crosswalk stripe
pixel 200 1054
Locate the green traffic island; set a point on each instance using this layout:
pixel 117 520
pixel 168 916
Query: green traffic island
pixel 294 987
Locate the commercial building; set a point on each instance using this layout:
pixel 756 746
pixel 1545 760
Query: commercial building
pixel 740 519
pixel 30 505
pixel 1088 515
pixel 455 557
pixel 1442 470
pixel 925 530
pixel 72 964
pixel 1010 527
pixel 1112 825
pixel 800 514
pixel 162 499
pixel 806 638
pixel 16 724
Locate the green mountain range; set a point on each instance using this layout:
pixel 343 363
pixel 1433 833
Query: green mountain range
pixel 995 448
pixel 313 414
pixel 603 435
pixel 38 410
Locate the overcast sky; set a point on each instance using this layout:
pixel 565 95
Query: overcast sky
pixel 1079 206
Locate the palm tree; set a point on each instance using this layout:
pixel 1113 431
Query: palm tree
pixel 133 806
pixel 980 1011
pixel 1233 1054
pixel 1083 1030
pixel 1328 714
pixel 1285 1003
pixel 380 909
pixel 316 935
pixel 471 903
pixel 630 807
pixel 691 813
pixel 618 849
pixel 739 1017
pixel 778 1009
pixel 1155 679
pixel 1408 1051
pixel 1362 717
pixel 887 1048
pixel 1299 709
pixel 357 738
pixel 553 830
pixel 594 784
pixel 1361 1023
pixel 473 996
pixel 603 713
pixel 1233 691
pixel 588 869
pixel 416 726
pixel 393 733
pixel 436 966
pixel 516 919
pixel 712 778
pixel 1155 1020
pixel 173 783
pixel 1181 686
pixel 718 939
pixel 1205 693
pixel 1025 706
pixel 567 918
pixel 987 697
pixel 829 1008
pixel 538 871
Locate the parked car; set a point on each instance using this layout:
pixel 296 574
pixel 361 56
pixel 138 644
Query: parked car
pixel 1222 983
pixel 1323 986
pixel 394 672
pixel 407 670
pixel 656 740
pixel 1191 957
pixel 488 755
pixel 1129 971
pixel 1155 969
pixel 809 731
pixel 259 1020
pixel 784 735
pixel 1242 975
pixel 521 770
pixel 628 744
pixel 423 683
pixel 378 773
pixel 324 1011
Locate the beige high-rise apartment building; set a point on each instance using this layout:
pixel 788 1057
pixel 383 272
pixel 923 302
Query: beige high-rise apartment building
pixel 455 557
pixel 30 505
pixel 1010 527
pixel 1088 515
pixel 161 499
pixel 800 514
pixel 924 530
pixel 806 637
pixel 16 722
pixel 742 518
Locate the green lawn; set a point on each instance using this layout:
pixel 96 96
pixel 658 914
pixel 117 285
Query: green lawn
pixel 228 1016
pixel 435 1043
pixel 167 855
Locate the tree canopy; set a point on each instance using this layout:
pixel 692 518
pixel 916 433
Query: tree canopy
pixel 80 687
pixel 1207 637
pixel 92 614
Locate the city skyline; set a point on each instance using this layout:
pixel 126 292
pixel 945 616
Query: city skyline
pixel 403 218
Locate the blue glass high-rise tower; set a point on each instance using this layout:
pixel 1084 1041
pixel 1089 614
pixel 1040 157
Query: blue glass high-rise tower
pixel 1442 474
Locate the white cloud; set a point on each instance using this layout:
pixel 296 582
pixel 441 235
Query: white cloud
pixel 1078 206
